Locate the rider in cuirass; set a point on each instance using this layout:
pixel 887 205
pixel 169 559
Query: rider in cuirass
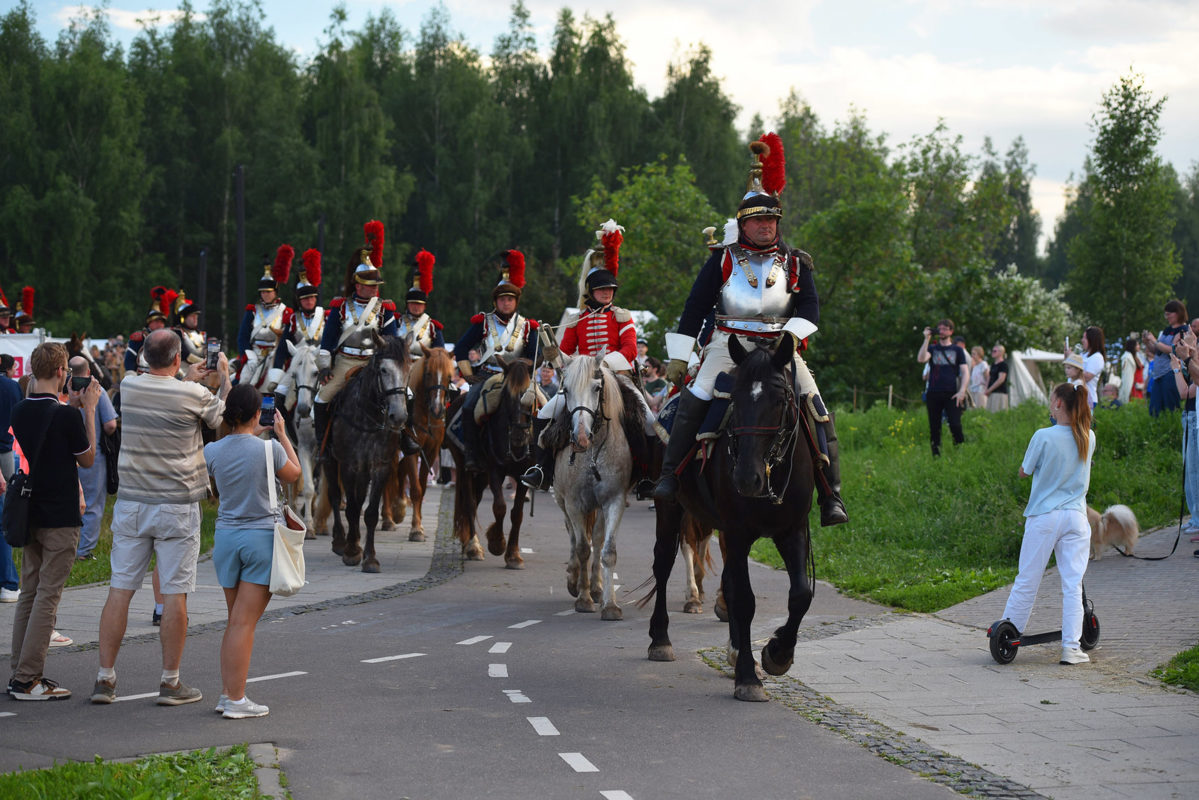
pixel 501 335
pixel 760 289
pixel 601 329
pixel 262 323
pixel 425 330
pixel 305 323
pixel 193 346
pixel 351 326
pixel 156 319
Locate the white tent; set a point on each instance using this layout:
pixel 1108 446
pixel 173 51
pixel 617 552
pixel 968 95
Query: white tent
pixel 1024 375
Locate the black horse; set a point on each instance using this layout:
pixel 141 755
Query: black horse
pixel 507 451
pixel 758 482
pixel 363 443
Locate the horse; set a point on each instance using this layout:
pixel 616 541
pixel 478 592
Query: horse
pixel 757 482
pixel 694 542
pixel 303 374
pixel 430 384
pixel 592 477
pixel 506 442
pixel 362 443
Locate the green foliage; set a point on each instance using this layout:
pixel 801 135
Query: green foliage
pixel 1186 237
pixel 926 533
pixel 201 775
pixel 1124 262
pixel 1183 670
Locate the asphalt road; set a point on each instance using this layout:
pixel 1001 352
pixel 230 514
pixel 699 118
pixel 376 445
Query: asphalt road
pixel 489 685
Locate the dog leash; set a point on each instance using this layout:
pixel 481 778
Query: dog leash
pixel 1182 509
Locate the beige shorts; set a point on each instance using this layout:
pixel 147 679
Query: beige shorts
pixel 169 530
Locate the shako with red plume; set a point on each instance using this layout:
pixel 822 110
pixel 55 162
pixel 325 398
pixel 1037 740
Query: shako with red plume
pixel 24 315
pixel 767 177
pixel 374 240
pixel 601 264
pixel 422 281
pixel 310 274
pixel 512 272
pixel 281 270
pixel 370 258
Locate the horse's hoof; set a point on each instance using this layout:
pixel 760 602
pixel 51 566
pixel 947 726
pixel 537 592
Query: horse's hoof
pixel 584 605
pixel 474 553
pixel 773 667
pixel 371 565
pixel 351 560
pixel 339 548
pixel 496 544
pixel 661 652
pixel 309 534
pixel 514 563
pixel 693 607
pixel 597 595
pixel 416 536
pixel 722 612
pixel 750 693
pixel 612 614
pixel 388 525
pixel 572 587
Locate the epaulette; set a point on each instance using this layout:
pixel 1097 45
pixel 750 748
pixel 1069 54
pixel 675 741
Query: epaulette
pixel 250 307
pixel 804 258
pixel 436 324
pixel 621 314
pixel 477 318
pixel 388 304
pixel 337 302
pixel 288 314
pixel 533 324
pixel 137 336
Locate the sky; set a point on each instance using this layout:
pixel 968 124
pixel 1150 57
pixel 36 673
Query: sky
pixel 998 68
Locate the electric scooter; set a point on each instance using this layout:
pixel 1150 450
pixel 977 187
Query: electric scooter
pixel 1006 640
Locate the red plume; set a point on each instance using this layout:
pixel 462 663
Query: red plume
pixel 424 265
pixel 774 165
pixel 4 299
pixel 283 258
pixel 312 266
pixel 612 241
pixel 27 300
pixel 166 300
pixel 516 268
pixel 374 238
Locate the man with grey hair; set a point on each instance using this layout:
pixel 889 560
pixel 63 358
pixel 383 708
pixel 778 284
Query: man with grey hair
pixel 163 479
pixel 94 479
pixel 997 391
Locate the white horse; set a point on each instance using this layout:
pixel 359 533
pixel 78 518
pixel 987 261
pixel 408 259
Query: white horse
pixel 301 394
pixel 591 478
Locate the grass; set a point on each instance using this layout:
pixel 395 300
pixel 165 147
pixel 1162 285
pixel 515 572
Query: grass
pixel 1183 670
pixel 926 533
pixel 200 775
pixel 100 569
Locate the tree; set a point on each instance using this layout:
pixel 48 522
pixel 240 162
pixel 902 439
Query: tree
pixel 1124 261
pixel 1186 236
pixel 1018 241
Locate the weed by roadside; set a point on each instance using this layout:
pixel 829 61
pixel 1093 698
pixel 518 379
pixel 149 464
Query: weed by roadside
pixel 1183 670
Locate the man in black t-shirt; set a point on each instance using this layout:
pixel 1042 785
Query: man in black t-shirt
pixel 948 379
pixel 997 385
pixel 55 512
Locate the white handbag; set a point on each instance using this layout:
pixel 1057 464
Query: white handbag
pixel 287 565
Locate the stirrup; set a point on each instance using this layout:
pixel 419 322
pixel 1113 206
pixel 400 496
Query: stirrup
pixel 667 488
pixel 534 477
pixel 644 489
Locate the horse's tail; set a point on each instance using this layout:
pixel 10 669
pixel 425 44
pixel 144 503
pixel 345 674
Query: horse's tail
pixel 642 602
pixel 464 492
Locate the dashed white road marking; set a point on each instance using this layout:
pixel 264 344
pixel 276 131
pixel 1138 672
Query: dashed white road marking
pixel 474 640
pixel 616 794
pixel 526 550
pixel 565 613
pixel 517 696
pixel 578 762
pixel 8 713
pixel 525 624
pixel 273 677
pixel 500 647
pixel 543 726
pixel 497 670
pixel 390 658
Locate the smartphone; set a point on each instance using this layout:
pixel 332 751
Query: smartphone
pixel 267 420
pixel 214 352
pixel 78 384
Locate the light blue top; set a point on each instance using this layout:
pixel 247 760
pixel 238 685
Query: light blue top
pixel 238 464
pixel 1059 479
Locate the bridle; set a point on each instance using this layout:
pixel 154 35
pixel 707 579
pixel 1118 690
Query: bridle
pixel 781 446
pixel 596 416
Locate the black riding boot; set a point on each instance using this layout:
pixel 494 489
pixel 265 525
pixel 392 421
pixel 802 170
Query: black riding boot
pixel 408 443
pixel 320 424
pixel 828 491
pixel 541 474
pixel 470 440
pixel 687 419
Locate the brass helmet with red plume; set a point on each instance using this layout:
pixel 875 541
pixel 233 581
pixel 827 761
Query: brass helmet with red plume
pixel 767 179
pixel 310 274
pixel 422 281
pixel 512 275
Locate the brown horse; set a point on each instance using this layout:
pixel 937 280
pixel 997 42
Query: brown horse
pixel 757 482
pixel 429 382
pixel 507 451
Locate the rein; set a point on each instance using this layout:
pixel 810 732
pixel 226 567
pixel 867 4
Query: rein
pixel 597 417
pixel 782 445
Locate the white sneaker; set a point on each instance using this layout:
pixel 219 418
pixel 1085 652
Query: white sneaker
pixel 245 709
pixel 9 595
pixel 59 640
pixel 1074 655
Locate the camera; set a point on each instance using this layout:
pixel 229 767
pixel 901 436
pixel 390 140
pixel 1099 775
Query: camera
pixel 214 353
pixel 267 419
pixel 78 384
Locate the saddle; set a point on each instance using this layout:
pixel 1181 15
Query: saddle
pixel 489 399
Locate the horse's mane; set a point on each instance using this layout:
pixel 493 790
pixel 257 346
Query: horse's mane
pixel 577 380
pixel 517 377
pixel 435 359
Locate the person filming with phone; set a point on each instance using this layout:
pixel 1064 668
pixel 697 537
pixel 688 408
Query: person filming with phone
pixel 948 379
pixel 93 480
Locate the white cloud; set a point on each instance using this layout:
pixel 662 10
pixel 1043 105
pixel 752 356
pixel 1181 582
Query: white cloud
pixel 122 19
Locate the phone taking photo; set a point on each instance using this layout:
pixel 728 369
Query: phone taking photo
pixel 267 419
pixel 78 384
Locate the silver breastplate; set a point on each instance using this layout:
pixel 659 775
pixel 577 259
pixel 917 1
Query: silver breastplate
pixel 755 298
pixel 308 328
pixel 193 346
pixel 421 327
pixel 363 339
pixel 504 342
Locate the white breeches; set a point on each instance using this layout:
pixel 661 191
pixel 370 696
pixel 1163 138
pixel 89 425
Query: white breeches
pixel 716 359
pixel 557 404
